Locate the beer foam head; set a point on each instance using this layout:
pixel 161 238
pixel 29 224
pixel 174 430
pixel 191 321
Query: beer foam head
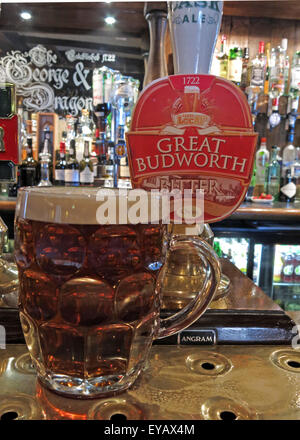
pixel 87 205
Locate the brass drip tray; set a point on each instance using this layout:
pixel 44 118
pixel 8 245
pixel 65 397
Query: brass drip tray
pixel 179 383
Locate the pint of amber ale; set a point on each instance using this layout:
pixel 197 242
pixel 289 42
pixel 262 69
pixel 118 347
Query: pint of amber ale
pixel 90 292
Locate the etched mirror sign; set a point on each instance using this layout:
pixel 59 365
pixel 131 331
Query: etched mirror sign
pixel 53 80
pixel 194 132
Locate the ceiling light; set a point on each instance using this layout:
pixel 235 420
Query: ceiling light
pixel 26 15
pixel 110 20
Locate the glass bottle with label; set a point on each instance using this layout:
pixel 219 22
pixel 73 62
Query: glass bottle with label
pixel 60 166
pixel 288 189
pixel 267 76
pixel 101 144
pixel 28 168
pixel 292 114
pixel 94 152
pixel 277 72
pixel 244 79
pixel 45 169
pixel 71 131
pixel 220 61
pixel 45 156
pixel 261 161
pixel 286 61
pixel 86 169
pixel 235 65
pixel 288 154
pixel 121 155
pixel 273 175
pixel 295 76
pixel 110 166
pixel 72 167
pixel 257 70
pixel 103 79
pixel 85 130
pixel 296 173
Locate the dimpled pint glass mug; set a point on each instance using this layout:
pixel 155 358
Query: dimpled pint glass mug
pixel 90 293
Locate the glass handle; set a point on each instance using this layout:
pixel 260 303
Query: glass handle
pixel 211 265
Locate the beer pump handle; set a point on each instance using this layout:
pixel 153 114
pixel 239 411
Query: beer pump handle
pixel 211 278
pixel 156 15
pixel 194 29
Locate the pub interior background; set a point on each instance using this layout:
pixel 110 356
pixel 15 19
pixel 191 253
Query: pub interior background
pixel 64 42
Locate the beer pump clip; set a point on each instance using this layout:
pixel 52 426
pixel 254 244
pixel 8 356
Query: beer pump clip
pixel 194 132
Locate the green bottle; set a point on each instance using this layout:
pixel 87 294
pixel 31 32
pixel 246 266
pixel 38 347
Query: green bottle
pixel 235 65
pixel 273 175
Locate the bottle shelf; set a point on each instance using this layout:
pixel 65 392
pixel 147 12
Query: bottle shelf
pixel 287 284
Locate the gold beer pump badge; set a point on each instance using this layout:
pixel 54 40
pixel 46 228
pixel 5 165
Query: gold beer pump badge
pixel 193 132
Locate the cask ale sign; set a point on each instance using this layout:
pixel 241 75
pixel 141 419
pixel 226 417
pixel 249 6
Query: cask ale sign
pixel 193 132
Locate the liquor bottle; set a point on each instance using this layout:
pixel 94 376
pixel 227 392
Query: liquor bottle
pixel 122 159
pixel 86 128
pixel 220 61
pixel 45 168
pixel 286 61
pixel 251 188
pixel 156 16
pixel 274 118
pixel 267 76
pixel 296 173
pixel 45 156
pixel 277 72
pixel 99 168
pixel 235 65
pixel 257 70
pixel 295 76
pixel 273 175
pixel 223 58
pixel 72 167
pixel 109 167
pixel 261 161
pixel 101 144
pixel 288 189
pixel 288 154
pixel 28 168
pixel 103 79
pixel 244 79
pixel 292 115
pixel 60 166
pixel 94 152
pixel 86 170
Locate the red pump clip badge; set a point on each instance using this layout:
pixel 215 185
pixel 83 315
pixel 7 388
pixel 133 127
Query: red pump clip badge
pixel 194 132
